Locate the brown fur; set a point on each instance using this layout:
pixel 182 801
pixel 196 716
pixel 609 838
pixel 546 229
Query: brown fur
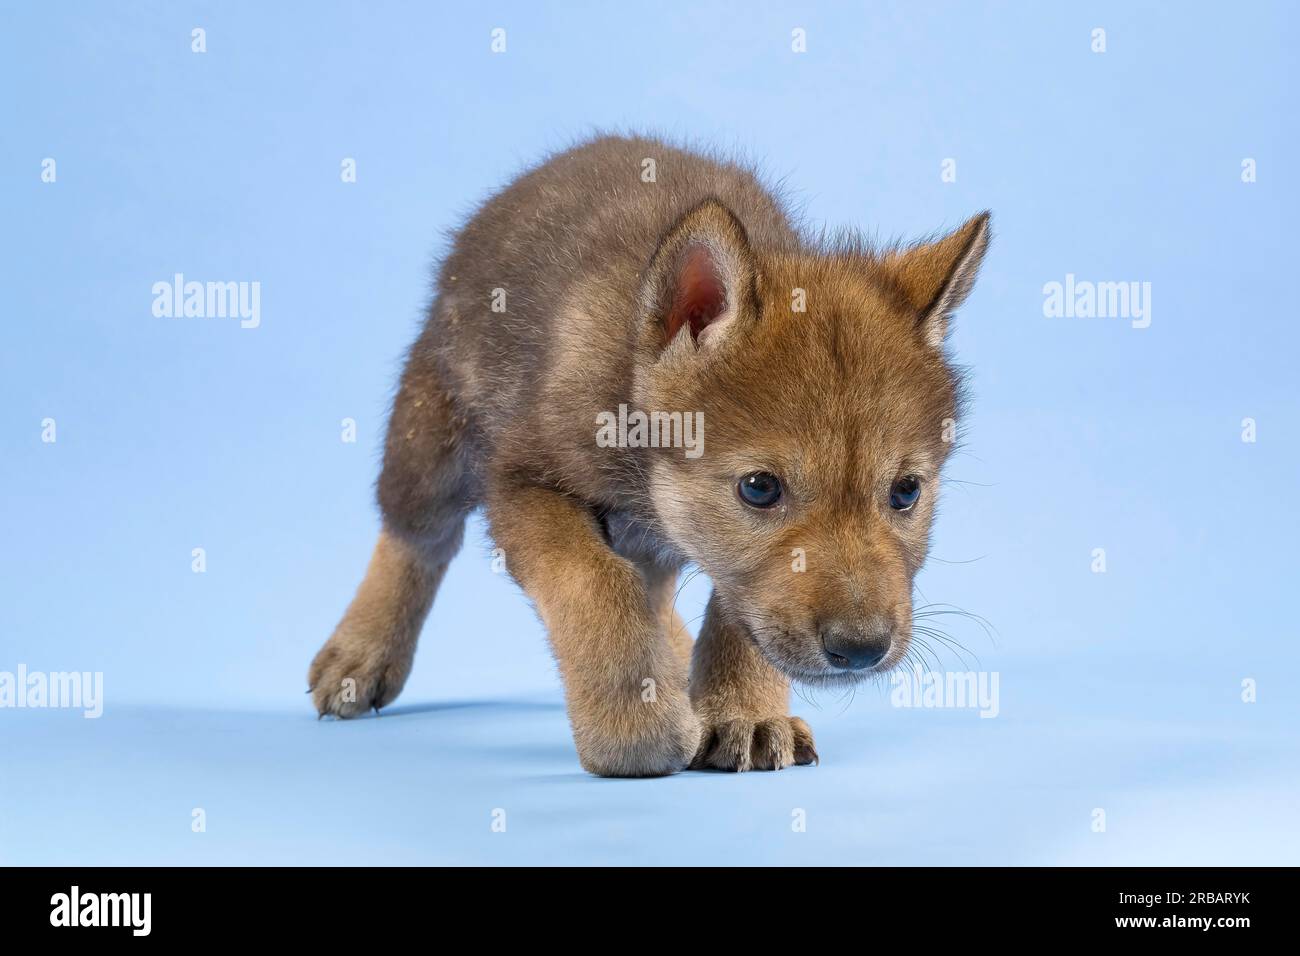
pixel 673 295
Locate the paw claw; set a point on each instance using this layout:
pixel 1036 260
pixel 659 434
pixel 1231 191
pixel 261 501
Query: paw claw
pixel 744 744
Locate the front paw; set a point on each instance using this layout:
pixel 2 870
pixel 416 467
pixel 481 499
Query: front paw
pixel 744 744
pixel 645 739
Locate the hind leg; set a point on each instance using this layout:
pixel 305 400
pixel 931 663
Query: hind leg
pixel 425 492
pixel 365 662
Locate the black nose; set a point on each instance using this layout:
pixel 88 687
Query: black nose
pixel 853 648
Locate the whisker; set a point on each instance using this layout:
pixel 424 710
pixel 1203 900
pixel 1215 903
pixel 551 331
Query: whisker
pixel 691 575
pixel 952 645
pixel 927 611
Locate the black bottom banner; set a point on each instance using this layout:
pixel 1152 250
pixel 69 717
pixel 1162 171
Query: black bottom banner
pixel 211 905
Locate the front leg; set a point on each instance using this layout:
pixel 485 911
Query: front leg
pixel 743 703
pixel 624 686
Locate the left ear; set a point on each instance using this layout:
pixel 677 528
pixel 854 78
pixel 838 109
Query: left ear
pixel 937 277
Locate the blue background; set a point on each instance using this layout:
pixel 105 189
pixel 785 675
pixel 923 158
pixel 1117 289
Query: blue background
pixel 1119 691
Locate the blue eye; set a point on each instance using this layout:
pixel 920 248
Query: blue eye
pixel 760 490
pixel 904 493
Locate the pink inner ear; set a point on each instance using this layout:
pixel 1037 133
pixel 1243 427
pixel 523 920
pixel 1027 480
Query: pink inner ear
pixel 699 295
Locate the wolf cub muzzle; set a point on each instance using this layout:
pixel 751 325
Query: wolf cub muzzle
pixel 630 377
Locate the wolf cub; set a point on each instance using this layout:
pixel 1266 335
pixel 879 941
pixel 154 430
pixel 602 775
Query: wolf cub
pixel 631 376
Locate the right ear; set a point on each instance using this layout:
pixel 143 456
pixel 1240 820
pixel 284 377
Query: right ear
pixel 702 277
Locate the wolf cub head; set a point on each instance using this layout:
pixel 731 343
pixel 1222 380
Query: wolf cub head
pixel 828 411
